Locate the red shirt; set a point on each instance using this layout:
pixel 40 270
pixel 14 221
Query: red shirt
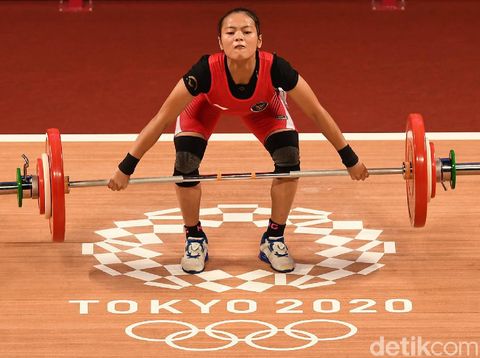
pixel 264 99
pixel 263 113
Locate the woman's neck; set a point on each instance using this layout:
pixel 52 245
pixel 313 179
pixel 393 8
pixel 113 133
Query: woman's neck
pixel 242 71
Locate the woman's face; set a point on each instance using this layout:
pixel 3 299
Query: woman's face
pixel 239 38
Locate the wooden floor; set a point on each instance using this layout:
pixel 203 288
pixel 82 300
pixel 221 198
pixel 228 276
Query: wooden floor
pixel 435 268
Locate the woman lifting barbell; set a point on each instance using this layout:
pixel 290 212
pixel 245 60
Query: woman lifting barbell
pixel 245 81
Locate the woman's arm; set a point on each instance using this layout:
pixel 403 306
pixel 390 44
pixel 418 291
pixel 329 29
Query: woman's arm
pixel 171 108
pixel 308 102
pixel 178 99
pixel 306 99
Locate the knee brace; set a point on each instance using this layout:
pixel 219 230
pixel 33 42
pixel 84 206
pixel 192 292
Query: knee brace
pixel 189 154
pixel 284 150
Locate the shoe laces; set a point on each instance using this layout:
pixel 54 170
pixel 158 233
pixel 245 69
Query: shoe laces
pixel 278 247
pixel 194 247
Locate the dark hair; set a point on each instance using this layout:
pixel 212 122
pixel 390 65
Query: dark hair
pixel 248 12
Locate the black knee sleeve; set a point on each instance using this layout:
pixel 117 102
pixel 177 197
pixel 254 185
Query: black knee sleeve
pixel 284 150
pixel 189 154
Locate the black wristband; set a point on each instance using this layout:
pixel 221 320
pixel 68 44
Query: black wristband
pixel 128 164
pixel 349 158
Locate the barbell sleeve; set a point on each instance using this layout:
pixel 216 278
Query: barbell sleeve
pixel 468 168
pixel 7 188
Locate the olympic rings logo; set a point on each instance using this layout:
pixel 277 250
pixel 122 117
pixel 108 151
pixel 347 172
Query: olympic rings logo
pixel 232 339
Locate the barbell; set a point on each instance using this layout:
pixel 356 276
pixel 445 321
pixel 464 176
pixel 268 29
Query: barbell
pixel 421 171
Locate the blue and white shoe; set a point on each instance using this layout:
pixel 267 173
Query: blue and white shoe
pixel 196 253
pixel 274 252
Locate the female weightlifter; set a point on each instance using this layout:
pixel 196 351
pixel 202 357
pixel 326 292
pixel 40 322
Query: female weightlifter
pixel 253 84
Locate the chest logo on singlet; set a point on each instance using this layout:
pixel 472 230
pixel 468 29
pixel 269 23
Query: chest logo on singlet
pixel 260 106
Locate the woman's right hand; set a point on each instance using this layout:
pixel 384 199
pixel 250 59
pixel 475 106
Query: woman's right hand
pixel 118 181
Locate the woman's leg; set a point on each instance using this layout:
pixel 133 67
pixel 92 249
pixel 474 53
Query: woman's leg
pixel 190 148
pixel 284 150
pixel 194 126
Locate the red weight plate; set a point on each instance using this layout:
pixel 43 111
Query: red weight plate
pixel 53 147
pixel 415 153
pixel 47 185
pixel 429 172
pixel 409 178
pixel 41 189
pixel 434 169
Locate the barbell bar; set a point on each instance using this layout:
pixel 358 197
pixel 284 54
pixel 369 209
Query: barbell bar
pixel 234 176
pixel 421 171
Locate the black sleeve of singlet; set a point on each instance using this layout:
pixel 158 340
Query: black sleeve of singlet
pixel 283 74
pixel 198 79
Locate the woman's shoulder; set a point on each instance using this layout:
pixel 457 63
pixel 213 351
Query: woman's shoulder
pixel 283 74
pixel 197 79
pixel 203 60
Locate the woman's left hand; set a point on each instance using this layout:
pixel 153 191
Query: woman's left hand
pixel 358 171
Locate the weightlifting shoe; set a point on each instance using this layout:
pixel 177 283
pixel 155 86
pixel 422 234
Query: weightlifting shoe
pixel 196 253
pixel 274 252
